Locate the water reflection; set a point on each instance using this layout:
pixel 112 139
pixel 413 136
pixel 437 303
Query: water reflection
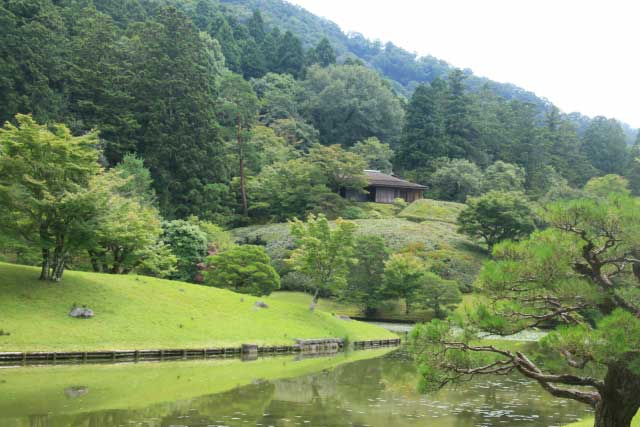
pixel 374 392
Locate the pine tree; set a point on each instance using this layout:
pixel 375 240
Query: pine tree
pixel 424 135
pixel 290 56
pixel 323 54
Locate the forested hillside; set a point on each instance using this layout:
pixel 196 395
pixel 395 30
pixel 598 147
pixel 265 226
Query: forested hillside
pixel 206 115
pixel 226 106
pixel 404 69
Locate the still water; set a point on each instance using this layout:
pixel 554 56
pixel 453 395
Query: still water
pixel 364 388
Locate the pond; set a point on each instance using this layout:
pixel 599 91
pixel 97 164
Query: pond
pixel 363 388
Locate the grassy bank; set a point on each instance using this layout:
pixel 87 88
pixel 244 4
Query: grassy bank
pixel 136 312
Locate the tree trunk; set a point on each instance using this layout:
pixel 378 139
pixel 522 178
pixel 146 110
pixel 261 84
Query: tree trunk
pixel 94 262
pixel 314 301
pixel 620 397
pixel 46 260
pixel 243 190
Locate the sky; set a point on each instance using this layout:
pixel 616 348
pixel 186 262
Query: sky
pixel 581 55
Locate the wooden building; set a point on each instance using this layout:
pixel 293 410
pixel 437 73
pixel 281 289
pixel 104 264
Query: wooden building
pixel 383 188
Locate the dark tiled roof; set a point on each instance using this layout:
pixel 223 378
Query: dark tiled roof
pixel 379 179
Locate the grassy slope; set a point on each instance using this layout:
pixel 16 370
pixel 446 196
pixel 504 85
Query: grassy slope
pixel 135 312
pixel 41 389
pixel 432 210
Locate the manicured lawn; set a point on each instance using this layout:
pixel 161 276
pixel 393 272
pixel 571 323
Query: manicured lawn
pixel 432 210
pixel 136 312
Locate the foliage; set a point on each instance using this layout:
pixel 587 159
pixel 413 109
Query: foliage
pixel 604 186
pixel 189 244
pixel 497 216
pixel 218 239
pixel 450 255
pixel 438 294
pixel 349 103
pixel 323 54
pixel 455 180
pixel 318 178
pixel 604 143
pixel 341 169
pixel 245 269
pixel 44 179
pixel 323 254
pixel 366 277
pixel 502 176
pixel 403 274
pixel 128 229
pixel 377 155
pixel 580 273
pixel 274 198
pixel 137 181
pixel 178 134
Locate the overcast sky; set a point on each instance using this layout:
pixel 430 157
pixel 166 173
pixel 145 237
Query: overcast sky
pixel 583 55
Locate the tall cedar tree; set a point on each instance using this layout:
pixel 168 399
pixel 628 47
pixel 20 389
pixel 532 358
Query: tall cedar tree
pixel 174 88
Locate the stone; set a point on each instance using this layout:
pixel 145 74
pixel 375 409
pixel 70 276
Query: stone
pixel 81 313
pixel 343 317
pixel 261 304
pixel 76 391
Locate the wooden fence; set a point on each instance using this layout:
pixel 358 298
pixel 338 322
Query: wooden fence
pixel 302 346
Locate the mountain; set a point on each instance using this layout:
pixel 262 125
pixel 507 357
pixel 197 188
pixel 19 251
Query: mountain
pixel 405 70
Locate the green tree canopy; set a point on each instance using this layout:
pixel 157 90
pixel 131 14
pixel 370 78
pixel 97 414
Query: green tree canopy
pixel 323 254
pixel 604 186
pixel 497 216
pixel 341 169
pixel 323 54
pixel 403 274
pixel 366 277
pixel 604 144
pixel 128 229
pixel 44 179
pixel 348 103
pixel 455 180
pixel 189 244
pixel 439 295
pixel 501 176
pixel 377 155
pixel 246 269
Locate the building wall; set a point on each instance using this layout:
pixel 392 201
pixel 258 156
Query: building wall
pixel 387 195
pixel 382 194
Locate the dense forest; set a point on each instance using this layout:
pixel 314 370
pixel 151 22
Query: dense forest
pixel 226 109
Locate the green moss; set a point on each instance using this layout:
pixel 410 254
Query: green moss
pixel 136 312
